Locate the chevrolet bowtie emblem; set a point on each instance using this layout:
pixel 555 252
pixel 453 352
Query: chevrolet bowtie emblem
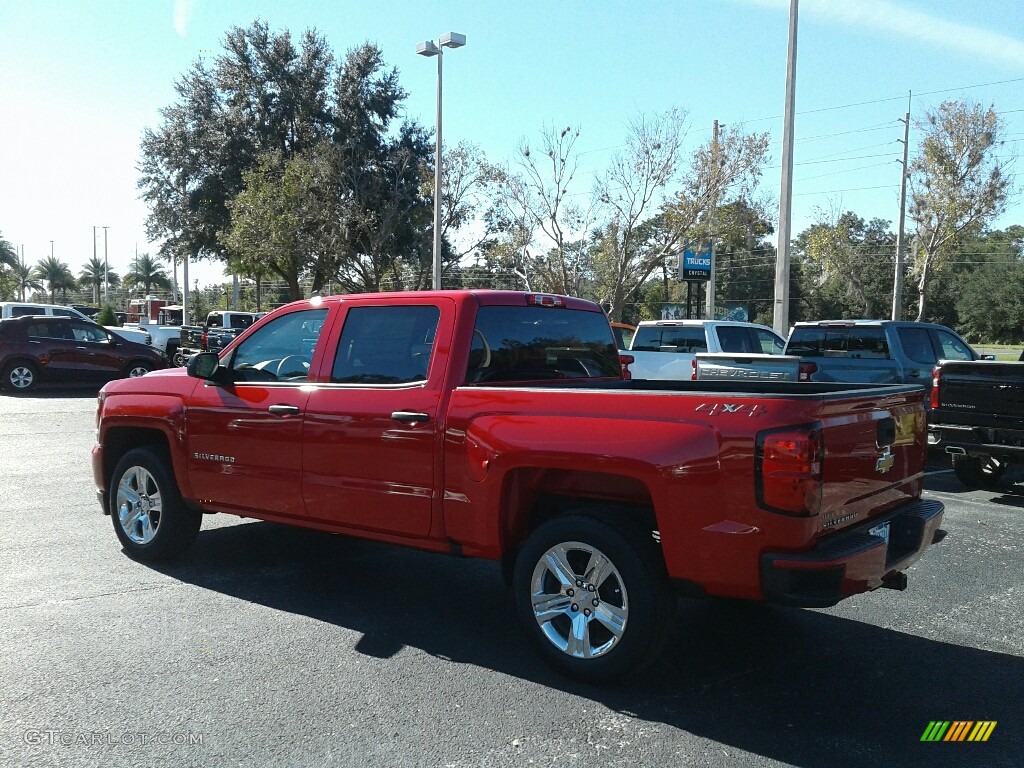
pixel 885 461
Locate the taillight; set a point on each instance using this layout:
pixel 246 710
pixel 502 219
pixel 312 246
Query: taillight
pixel 624 361
pixel 788 470
pixel 807 370
pixel 936 375
pixel 693 369
pixel 544 300
pixel 204 340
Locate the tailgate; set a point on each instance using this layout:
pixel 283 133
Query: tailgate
pixel 725 366
pixel 990 392
pixel 874 456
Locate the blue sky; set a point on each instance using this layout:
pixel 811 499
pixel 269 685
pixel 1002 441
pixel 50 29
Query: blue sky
pixel 80 79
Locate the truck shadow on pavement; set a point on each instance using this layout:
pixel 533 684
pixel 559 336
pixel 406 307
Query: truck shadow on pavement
pixel 807 688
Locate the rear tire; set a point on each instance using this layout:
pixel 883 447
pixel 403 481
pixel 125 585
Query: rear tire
pixel 20 376
pixel 978 471
pixel 137 368
pixel 149 516
pixel 593 596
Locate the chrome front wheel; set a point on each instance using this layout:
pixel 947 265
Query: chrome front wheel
pixel 139 505
pixel 150 518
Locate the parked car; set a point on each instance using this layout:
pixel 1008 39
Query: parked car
pixel 23 309
pixel 38 348
pixel 874 351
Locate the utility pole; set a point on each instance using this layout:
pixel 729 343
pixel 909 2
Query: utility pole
pixel 106 267
pixel 709 306
pixel 94 261
pixel 897 285
pixel 781 314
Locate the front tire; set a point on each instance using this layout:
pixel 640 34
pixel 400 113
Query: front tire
pixel 20 377
pixel 978 471
pixel 149 516
pixel 593 596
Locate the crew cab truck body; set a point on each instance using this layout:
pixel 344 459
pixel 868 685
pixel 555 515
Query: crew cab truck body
pixel 978 418
pixel 874 351
pixel 497 425
pixel 666 349
pixel 219 329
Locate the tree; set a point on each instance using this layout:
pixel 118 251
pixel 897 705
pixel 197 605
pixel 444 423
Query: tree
pixel 541 228
pixel 957 184
pixel 25 279
pixel 634 245
pixel 8 255
pixel 92 274
pixel 990 287
pixel 262 95
pixel 349 208
pixel 857 256
pixel 276 219
pixel 147 272
pixel 56 274
pixel 720 171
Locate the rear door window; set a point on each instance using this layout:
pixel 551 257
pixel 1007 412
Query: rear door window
pixel 386 345
pixel 917 345
pixel 952 347
pixel 537 343
pixel 733 338
pixel 655 338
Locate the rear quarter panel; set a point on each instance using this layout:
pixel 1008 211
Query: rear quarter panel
pixel 689 455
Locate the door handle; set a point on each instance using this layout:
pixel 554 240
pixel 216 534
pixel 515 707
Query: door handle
pixel 913 373
pixel 284 410
pixel 410 417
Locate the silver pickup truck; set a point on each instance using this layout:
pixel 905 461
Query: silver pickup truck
pixel 668 349
pixel 738 366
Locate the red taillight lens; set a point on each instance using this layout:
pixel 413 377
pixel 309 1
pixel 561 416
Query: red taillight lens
pixel 807 370
pixel 204 340
pixel 693 369
pixel 788 468
pixel 936 375
pixel 624 361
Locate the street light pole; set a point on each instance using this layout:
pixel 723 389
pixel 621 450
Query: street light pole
pixel 106 284
pixel 429 48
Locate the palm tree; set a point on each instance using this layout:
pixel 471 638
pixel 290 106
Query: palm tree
pixel 92 274
pixel 56 273
pixel 147 272
pixel 25 279
pixel 8 255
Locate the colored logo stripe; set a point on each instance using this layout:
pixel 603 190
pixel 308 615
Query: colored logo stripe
pixel 982 730
pixel 958 730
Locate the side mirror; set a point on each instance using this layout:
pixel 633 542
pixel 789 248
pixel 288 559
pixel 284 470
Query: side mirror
pixel 205 365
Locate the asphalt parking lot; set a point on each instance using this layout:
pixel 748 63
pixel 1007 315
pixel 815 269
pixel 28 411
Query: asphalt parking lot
pixel 270 645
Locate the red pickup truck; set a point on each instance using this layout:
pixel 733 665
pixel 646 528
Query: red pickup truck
pixel 499 425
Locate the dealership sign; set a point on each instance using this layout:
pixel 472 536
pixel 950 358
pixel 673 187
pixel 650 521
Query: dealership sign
pixel 695 266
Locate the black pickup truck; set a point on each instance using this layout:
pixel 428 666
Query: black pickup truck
pixel 977 417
